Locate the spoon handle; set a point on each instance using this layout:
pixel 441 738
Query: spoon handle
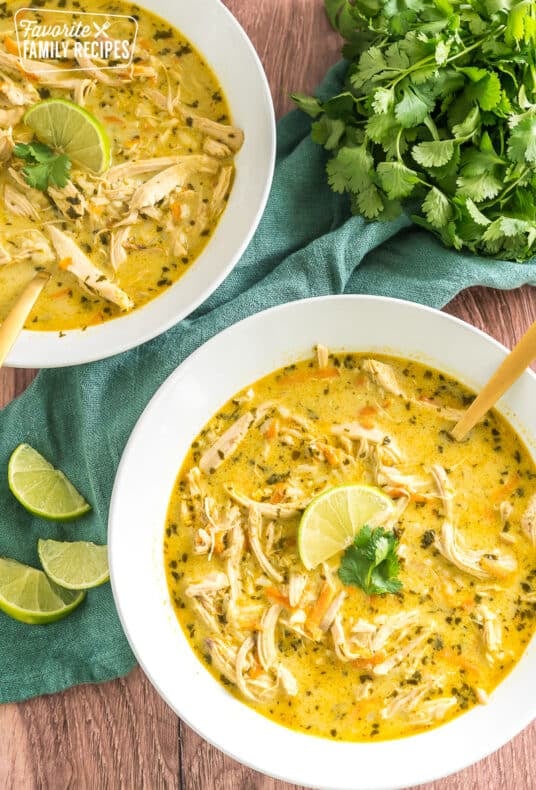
pixel 13 324
pixel 511 369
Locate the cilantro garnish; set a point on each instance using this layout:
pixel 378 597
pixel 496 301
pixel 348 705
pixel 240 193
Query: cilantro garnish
pixel 438 118
pixel 45 167
pixel 371 562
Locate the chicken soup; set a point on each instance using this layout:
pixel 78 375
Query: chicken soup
pixel 412 620
pixel 116 239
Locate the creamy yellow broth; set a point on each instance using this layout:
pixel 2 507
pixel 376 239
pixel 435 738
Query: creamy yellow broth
pixel 164 241
pixel 454 634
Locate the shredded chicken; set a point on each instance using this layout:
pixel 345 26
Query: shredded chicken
pixel 18 203
pixel 444 489
pixel 331 612
pixel 211 583
pixel 230 136
pixel 528 520
pixel 491 632
pixel 214 148
pixel 296 586
pixel 221 190
pixel 254 529
pixel 283 510
pixel 118 239
pixel 384 376
pixel 226 444
pixel 403 652
pixel 322 356
pixel 451 547
pixel 69 200
pixel 160 185
pixel 266 648
pixel 433 710
pixel 6 144
pixel 76 262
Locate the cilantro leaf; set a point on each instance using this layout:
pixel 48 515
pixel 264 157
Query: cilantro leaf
pixel 433 154
pixel 413 108
pixel 522 143
pixel 371 562
pixel 397 180
pixel 44 166
pixel 327 132
pixel 437 208
pixel 350 170
pixel 308 104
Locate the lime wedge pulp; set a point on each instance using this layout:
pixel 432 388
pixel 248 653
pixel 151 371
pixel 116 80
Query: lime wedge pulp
pixel 41 489
pixel 332 520
pixel 77 565
pixel 27 595
pixel 67 127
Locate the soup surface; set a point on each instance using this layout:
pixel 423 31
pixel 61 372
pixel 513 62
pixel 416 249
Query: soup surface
pixel 301 647
pixel 139 225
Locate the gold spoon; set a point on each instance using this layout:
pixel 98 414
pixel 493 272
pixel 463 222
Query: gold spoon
pixel 13 324
pixel 519 358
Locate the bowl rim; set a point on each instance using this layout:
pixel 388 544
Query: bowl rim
pixel 221 740
pixel 54 349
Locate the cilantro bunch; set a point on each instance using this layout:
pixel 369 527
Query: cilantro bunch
pixel 371 562
pixel 438 118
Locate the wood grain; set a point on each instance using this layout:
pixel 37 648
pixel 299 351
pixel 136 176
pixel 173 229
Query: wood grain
pixel 121 734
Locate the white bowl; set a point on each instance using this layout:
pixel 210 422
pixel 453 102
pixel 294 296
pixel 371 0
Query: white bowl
pixel 148 469
pixel 228 51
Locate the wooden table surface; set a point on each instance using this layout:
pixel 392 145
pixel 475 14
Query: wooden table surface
pixel 121 734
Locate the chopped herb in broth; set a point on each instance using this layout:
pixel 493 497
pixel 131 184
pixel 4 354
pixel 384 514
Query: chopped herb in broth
pixel 138 226
pixel 300 646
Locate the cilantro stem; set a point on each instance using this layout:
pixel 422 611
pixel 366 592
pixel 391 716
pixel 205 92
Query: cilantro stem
pixel 432 128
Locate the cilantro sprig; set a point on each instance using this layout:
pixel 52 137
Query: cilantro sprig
pixel 371 562
pixel 437 119
pixel 44 166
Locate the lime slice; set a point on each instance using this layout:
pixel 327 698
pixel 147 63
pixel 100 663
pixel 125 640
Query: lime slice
pixel 67 127
pixel 26 594
pixel 41 489
pixel 76 566
pixel 333 519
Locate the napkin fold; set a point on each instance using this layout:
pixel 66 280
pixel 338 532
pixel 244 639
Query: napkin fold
pixel 80 418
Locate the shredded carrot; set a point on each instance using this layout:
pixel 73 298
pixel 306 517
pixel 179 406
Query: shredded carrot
pixel 255 671
pixel 321 604
pixel 114 119
pixel 371 661
pixel 219 544
pixel 459 660
pixel 415 497
pixel 11 46
pixel 65 263
pixel 360 380
pixel 366 415
pixel 271 431
pixel 301 376
pixel 176 210
pixel 330 455
pixel 277 596
pixel 504 491
pixel 59 294
pixel 145 43
pixel 278 493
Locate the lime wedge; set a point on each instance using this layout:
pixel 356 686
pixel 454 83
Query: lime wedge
pixel 27 595
pixel 76 566
pixel 41 489
pixel 67 127
pixel 332 520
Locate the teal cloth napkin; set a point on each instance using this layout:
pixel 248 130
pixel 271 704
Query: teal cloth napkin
pixel 307 244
